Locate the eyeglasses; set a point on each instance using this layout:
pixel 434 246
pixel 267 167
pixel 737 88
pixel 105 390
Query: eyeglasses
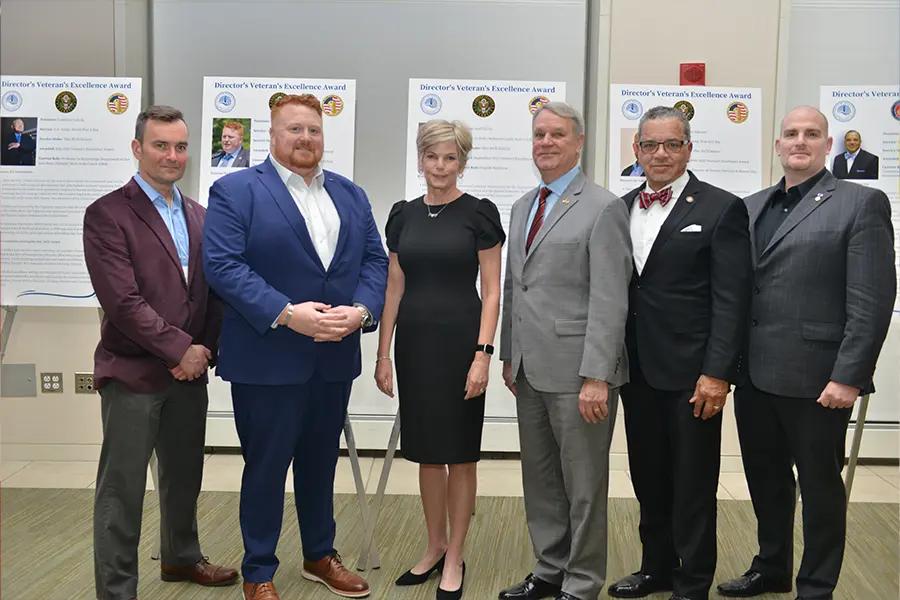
pixel 671 146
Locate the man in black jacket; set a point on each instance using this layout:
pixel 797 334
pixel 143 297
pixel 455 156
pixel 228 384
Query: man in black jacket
pixel 688 307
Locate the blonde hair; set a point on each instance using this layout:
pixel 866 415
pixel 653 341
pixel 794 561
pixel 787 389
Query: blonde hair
pixel 438 131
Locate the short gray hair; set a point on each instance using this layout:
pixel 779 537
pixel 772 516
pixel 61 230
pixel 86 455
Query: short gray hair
pixel 566 111
pixel 438 131
pixel 659 113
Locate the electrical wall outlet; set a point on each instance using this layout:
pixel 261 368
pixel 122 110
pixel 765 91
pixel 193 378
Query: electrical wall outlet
pixel 52 383
pixel 84 383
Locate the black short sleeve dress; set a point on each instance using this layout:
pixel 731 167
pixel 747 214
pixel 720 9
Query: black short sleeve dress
pixel 438 324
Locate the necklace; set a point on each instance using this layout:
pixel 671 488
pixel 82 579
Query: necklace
pixel 438 213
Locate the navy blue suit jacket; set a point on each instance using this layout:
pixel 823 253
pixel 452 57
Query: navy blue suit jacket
pixel 258 256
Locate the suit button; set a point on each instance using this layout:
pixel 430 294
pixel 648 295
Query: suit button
pixel 524 288
pixel 638 286
pixel 191 298
pixel 756 290
pixel 754 322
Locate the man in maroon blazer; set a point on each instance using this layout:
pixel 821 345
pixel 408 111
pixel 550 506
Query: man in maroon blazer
pixel 158 337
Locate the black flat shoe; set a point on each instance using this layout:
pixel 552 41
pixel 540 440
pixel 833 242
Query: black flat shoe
pixel 410 578
pixel 443 594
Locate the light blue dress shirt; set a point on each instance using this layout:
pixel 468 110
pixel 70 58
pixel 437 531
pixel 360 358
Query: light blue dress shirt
pixel 173 217
pixel 556 189
pixel 636 170
pixel 227 159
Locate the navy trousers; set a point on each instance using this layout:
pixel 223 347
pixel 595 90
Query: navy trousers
pixel 278 424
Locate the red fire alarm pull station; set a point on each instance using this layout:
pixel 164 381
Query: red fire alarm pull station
pixel 693 74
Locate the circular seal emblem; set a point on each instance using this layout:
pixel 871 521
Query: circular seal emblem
pixel 632 109
pixel 275 97
pixel 737 112
pixel 65 102
pixel 117 104
pixel 12 101
pixel 332 105
pixel 843 111
pixel 225 102
pixel 483 106
pixel 895 110
pixel 686 107
pixel 431 104
pixel 536 103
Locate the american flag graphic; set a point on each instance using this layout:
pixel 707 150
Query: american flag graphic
pixel 737 112
pixel 332 105
pixel 118 103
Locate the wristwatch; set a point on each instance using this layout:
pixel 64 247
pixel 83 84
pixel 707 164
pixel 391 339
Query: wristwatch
pixel 486 348
pixel 367 319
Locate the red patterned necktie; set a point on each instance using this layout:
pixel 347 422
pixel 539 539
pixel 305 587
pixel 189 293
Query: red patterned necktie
pixel 538 217
pixel 662 196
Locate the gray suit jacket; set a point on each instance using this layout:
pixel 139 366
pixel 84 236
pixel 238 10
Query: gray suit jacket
pixel 565 303
pixel 824 290
pixel 241 160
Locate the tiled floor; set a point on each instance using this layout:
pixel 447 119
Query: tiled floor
pixel 222 472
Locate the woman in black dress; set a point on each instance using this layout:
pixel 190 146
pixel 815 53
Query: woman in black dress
pixel 438 244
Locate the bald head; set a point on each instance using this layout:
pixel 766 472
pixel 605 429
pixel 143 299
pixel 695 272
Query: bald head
pixel 805 113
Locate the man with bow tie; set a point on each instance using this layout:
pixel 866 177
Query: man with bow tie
pixel 688 304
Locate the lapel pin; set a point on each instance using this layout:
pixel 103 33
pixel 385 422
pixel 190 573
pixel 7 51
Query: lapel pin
pixel 818 196
pixel 565 201
pixel 689 199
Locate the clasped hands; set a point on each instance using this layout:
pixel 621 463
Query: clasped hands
pixel 193 364
pixel 323 322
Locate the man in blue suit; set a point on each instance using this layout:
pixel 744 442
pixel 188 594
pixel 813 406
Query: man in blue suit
pixel 295 254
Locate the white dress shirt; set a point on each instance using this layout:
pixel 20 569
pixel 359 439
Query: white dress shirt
pixel 317 208
pixel 850 160
pixel 646 222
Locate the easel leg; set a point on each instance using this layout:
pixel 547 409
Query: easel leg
pixel 357 474
pixel 8 319
pixel 857 440
pixel 369 547
pixel 154 473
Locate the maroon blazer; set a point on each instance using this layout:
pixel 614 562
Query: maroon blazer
pixel 151 315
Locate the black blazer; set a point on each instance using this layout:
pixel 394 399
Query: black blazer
pixel 689 307
pixel 23 155
pixel 865 166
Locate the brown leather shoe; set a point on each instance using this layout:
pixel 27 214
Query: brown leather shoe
pixel 202 572
pixel 260 591
pixel 331 573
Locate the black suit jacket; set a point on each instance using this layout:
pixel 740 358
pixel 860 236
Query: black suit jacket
pixel 865 166
pixel 23 155
pixel 689 306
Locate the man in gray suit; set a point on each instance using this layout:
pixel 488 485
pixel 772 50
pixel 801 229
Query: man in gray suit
pixel 825 284
pixel 233 154
pixel 562 343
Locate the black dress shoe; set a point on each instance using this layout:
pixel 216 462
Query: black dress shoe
pixel 410 578
pixel 753 583
pixel 532 588
pixel 443 594
pixel 638 585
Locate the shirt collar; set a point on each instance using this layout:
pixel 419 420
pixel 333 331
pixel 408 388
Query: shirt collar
pixel 803 188
pixel 286 173
pixel 153 194
pixel 234 154
pixel 559 185
pixel 849 155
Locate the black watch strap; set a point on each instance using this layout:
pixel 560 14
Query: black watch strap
pixel 486 348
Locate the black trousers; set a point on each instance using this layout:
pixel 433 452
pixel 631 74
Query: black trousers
pixel 674 461
pixel 775 433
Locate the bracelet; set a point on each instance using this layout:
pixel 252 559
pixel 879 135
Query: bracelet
pixel 382 358
pixel 290 313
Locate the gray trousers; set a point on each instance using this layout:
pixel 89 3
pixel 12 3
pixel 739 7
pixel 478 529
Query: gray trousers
pixel 565 475
pixel 172 422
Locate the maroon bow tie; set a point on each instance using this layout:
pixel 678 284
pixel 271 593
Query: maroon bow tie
pixel 662 196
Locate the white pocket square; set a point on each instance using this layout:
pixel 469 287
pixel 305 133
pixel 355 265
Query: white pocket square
pixel 692 229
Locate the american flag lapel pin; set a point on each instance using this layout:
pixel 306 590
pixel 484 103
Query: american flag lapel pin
pixel 818 196
pixel 565 200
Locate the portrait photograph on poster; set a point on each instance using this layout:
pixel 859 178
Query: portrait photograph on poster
pixel 19 147
pixel 231 143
